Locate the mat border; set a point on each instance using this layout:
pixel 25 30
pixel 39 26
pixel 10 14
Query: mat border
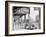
pixel 6 18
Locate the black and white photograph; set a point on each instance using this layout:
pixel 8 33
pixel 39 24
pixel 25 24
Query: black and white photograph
pixel 24 18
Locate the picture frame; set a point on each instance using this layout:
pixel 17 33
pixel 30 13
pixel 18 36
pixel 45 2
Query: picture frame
pixel 24 18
